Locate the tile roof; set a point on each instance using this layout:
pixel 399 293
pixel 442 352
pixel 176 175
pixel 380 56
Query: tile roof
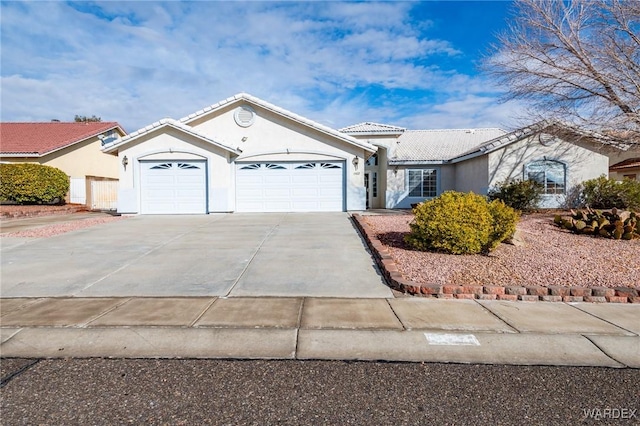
pixel 281 111
pixel 629 163
pixel 372 128
pixel 416 146
pixel 111 147
pixel 37 139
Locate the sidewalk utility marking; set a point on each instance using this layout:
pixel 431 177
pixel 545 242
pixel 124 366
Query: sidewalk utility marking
pixel 452 339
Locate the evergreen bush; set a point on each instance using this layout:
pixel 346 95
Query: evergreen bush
pixel 28 183
pixel 522 195
pixel 461 223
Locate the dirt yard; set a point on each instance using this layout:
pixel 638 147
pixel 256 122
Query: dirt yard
pixel 550 256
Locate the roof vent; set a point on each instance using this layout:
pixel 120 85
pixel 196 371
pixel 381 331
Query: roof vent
pixel 244 116
pixel 471 131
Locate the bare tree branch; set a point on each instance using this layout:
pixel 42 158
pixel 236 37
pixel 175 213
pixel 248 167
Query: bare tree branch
pixel 575 62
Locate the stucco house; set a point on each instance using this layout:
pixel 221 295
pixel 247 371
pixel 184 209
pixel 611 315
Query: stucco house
pixel 246 155
pixel 71 147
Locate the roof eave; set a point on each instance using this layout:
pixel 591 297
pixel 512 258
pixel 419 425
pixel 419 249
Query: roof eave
pixel 116 145
pixel 20 154
pixel 416 162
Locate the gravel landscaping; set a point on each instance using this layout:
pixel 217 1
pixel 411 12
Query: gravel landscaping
pixel 61 228
pixel 550 256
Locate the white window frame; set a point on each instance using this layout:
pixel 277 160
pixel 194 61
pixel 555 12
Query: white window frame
pixel 544 167
pixel 432 191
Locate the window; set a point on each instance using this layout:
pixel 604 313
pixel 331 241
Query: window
pixel 162 166
pixel 550 174
pixel 422 183
pixel 373 160
pixel 374 185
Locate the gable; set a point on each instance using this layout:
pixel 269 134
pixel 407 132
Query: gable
pixel 233 107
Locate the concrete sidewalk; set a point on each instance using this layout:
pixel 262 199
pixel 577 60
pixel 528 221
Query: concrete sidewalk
pixel 402 329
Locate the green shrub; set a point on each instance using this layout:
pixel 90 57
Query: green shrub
pixel 605 193
pixel 461 223
pixel 522 195
pixel 32 183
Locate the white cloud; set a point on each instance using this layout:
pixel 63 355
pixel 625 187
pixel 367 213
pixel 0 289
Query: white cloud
pixel 137 62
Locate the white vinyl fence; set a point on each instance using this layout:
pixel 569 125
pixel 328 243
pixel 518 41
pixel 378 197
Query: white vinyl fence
pixel 104 195
pixel 78 191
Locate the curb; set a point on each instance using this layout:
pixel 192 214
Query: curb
pixel 398 282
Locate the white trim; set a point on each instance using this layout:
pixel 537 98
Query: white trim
pixel 167 122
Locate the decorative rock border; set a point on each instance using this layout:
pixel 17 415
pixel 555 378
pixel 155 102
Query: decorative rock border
pixel 390 270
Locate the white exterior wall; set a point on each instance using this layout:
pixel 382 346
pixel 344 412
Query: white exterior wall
pixel 171 144
pixel 581 163
pixel 398 186
pixel 472 175
pixel 275 138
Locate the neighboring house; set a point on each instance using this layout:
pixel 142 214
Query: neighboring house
pixel 246 155
pixel 626 169
pixel 73 148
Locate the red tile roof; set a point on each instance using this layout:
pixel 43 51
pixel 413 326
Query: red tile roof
pixel 41 138
pixel 629 163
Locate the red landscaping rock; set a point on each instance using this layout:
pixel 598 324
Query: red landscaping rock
pixel 465 296
pixel 617 299
pixel 487 296
pixel 494 289
pixel 515 291
pixel 528 298
pixel 512 297
pixel 580 291
pixel 602 291
pixel 595 299
pixel 559 291
pixel 537 291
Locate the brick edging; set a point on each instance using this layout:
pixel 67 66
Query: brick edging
pixel 23 214
pixel 394 278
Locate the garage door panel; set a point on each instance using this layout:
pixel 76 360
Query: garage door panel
pixel 290 186
pixel 173 187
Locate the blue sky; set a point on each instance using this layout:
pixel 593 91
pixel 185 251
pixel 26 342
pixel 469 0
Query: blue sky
pixel 410 64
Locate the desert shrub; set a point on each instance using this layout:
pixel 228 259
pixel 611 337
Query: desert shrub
pixel 461 223
pixel 32 183
pixel 605 193
pixel 522 195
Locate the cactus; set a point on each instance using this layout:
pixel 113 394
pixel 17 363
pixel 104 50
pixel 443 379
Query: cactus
pixel 614 224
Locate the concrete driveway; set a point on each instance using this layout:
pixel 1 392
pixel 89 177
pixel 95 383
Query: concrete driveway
pixel 305 254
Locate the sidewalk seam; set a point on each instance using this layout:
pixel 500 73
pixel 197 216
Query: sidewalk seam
pixel 602 319
pixel 116 306
pixel 404 327
pixel 604 352
pixel 206 308
pixel 499 317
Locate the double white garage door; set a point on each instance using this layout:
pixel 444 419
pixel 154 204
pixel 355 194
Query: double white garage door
pixel 180 187
pixel 290 187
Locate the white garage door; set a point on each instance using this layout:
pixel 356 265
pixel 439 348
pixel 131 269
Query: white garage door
pixel 290 187
pixel 173 187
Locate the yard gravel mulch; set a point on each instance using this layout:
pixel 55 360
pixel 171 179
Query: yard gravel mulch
pixel 550 257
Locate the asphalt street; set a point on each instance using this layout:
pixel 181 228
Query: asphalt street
pixel 190 392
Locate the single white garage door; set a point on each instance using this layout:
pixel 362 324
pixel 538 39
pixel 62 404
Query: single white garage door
pixel 290 187
pixel 173 187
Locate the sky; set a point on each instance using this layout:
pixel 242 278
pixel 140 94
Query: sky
pixel 408 64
